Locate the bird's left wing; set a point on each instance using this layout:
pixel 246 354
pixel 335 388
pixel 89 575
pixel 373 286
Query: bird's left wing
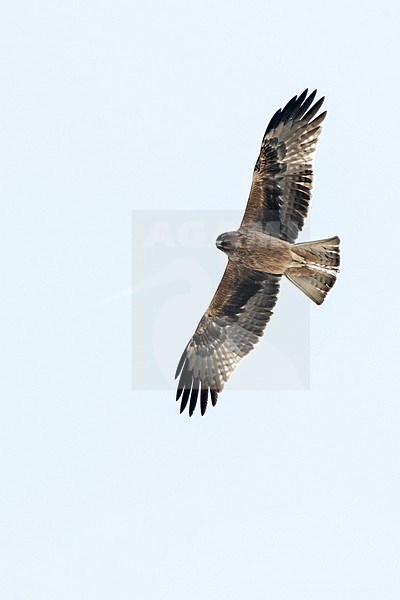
pixel 282 181
pixel 228 330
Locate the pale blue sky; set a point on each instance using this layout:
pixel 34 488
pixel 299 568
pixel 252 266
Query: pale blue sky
pixel 107 107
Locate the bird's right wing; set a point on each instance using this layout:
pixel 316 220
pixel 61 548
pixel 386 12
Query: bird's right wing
pixel 228 330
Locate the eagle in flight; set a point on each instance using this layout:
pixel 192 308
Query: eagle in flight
pixel 259 253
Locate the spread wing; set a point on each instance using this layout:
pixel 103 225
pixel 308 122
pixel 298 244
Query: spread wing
pixel 228 330
pixel 282 181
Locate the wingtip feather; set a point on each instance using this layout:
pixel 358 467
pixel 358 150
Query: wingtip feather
pixel 203 401
pixel 185 399
pixel 180 364
pixel 193 397
pixel 214 397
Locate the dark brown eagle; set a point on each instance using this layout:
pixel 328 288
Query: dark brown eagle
pixel 259 253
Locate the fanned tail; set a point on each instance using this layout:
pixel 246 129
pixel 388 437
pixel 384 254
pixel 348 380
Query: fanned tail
pixel 315 267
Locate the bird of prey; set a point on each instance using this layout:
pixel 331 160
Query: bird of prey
pixel 259 253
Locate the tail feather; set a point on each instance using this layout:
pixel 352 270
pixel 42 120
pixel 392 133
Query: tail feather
pixel 315 267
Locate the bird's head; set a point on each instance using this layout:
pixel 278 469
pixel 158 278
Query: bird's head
pixel 226 241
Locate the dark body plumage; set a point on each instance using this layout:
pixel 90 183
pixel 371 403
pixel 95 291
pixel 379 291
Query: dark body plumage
pixel 259 253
